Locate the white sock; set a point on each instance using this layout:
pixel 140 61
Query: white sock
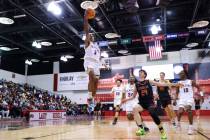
pixel 90 95
pixel 190 126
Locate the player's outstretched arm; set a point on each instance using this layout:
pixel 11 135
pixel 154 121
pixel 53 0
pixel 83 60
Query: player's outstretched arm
pixel 86 29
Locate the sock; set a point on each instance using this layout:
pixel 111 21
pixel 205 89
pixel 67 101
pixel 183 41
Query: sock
pixel 190 126
pixel 161 128
pixel 141 126
pixel 90 95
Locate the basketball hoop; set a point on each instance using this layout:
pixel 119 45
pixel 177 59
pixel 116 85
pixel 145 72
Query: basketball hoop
pixel 91 4
pixel 101 1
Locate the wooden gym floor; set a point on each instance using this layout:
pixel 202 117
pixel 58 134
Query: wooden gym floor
pixel 90 129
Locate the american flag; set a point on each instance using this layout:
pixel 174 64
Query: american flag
pixel 155 50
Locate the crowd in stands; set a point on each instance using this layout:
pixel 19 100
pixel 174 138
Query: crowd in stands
pixel 17 99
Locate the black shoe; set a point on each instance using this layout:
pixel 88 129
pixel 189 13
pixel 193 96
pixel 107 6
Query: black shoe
pixel 114 121
pixel 146 129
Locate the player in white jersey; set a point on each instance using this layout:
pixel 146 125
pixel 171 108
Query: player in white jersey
pixel 129 91
pixel 91 60
pixel 186 100
pixel 117 91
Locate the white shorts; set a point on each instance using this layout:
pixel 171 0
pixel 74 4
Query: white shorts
pixel 185 102
pixel 92 65
pixel 117 102
pixel 130 105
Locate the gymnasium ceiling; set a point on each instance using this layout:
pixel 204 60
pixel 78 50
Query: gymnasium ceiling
pixel 65 31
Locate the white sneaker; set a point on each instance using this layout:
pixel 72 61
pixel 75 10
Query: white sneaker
pixel 190 130
pixel 178 126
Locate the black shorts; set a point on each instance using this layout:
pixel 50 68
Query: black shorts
pixel 197 107
pixel 165 102
pixel 197 104
pixel 146 105
pixel 97 109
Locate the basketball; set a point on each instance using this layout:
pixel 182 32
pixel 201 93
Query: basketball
pixel 90 13
pixel 130 116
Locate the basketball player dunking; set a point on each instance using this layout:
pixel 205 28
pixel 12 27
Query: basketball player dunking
pixel 91 59
pixel 146 102
pixel 186 100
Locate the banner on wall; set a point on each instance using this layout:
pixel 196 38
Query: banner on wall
pixel 72 81
pixel 37 115
pixel 108 78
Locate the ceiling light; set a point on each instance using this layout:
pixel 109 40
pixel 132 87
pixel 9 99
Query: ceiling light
pixel 158 20
pixel 45 61
pixel 15 48
pixel 46 43
pixel 191 45
pixel 112 35
pixel 200 24
pixel 59 43
pixel 5 20
pixel 54 8
pixel 123 51
pixel 63 58
pixel 155 29
pixel 35 60
pixel 209 44
pixel 104 54
pixel 5 49
pixel 28 62
pixel 89 4
pixel 34 44
pixel 127 54
pixel 69 56
pixel 19 16
pixel 185 48
pixel 37 45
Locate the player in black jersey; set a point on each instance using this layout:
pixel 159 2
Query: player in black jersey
pixel 97 109
pixel 165 98
pixel 146 102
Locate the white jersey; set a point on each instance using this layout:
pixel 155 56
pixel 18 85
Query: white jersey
pixel 92 52
pixel 129 91
pixel 186 92
pixel 118 94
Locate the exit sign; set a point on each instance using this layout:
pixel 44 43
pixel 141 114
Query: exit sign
pixel 125 41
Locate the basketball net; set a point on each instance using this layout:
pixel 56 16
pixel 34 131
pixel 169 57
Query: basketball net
pixel 100 1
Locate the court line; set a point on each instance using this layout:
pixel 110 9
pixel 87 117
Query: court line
pixel 53 134
pixel 202 134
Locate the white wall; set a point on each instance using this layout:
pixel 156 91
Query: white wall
pixel 44 81
pixel 8 76
pixel 185 56
pixel 80 97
